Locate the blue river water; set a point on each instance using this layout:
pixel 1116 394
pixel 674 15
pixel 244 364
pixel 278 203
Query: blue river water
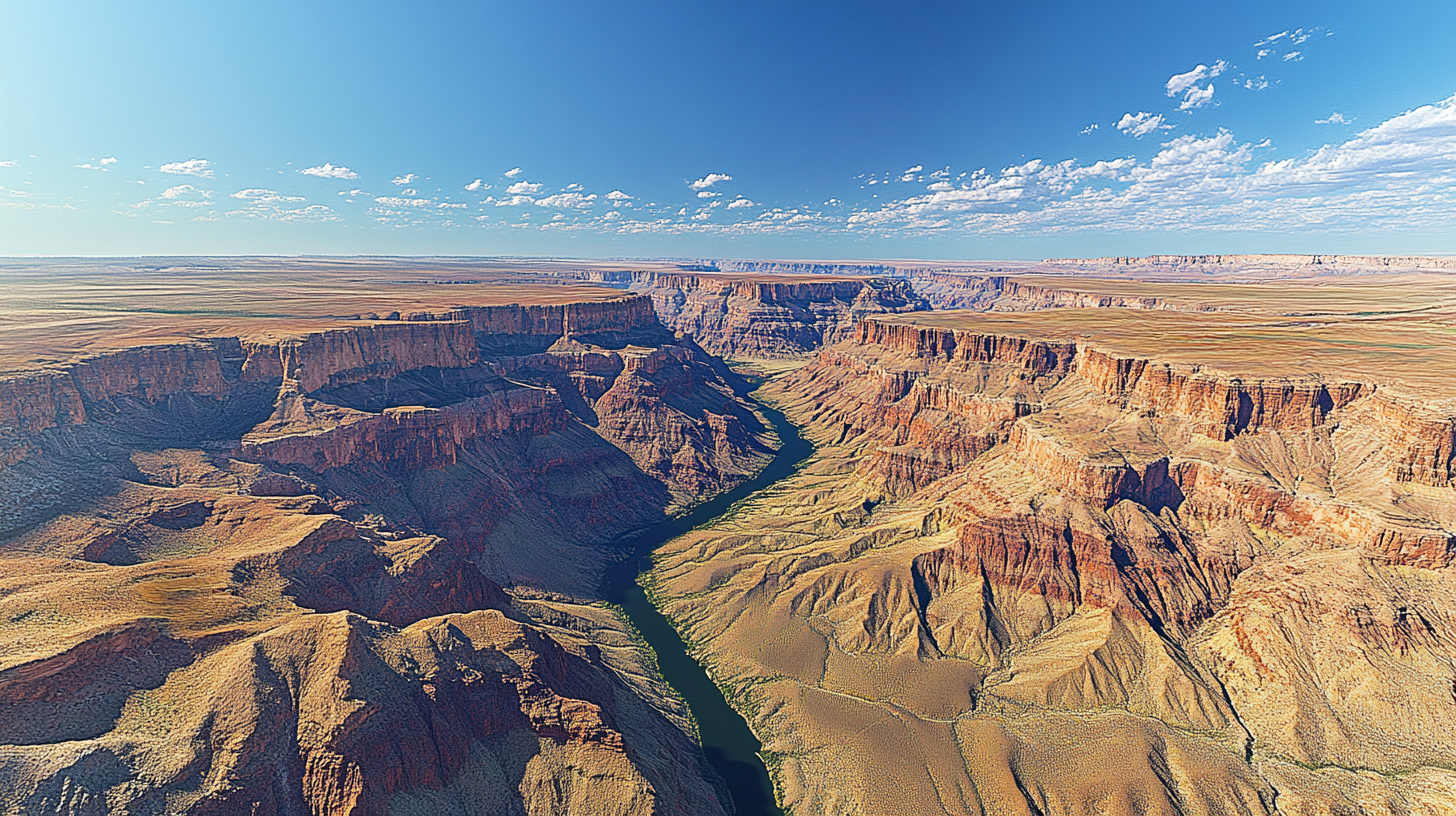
pixel 730 747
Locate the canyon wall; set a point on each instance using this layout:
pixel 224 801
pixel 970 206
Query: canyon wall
pixel 1061 578
pixel 350 571
pixel 759 317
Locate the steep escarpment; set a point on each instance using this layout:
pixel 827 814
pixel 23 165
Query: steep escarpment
pixel 1003 293
pixel 349 571
pixel 770 317
pixel 1254 265
pixel 1059 573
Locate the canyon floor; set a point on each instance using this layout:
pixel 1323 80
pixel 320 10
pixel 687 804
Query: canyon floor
pixel 1141 536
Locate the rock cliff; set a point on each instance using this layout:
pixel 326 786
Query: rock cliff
pixel 341 571
pixel 770 317
pixel 1060 577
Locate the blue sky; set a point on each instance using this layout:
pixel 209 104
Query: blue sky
pixel 743 129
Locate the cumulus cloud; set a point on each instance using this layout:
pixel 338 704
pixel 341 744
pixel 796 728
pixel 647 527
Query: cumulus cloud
pixel 400 181
pixel 1417 144
pixel 261 195
pixel 181 191
pixel 396 201
pixel 1190 85
pixel 568 200
pixel 709 180
pixel 1089 129
pixel 618 195
pixel 1398 176
pixel 513 172
pixel 524 188
pixel 192 167
pixel 1141 124
pixel 267 211
pixel 9 163
pixel 1336 118
pixel 477 185
pixel 707 194
pixel 327 170
pixel 739 203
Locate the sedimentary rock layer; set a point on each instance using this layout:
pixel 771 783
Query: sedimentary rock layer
pixel 344 571
pixel 1060 577
pixel 755 316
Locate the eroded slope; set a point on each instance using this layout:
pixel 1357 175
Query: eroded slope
pixel 344 571
pixel 1066 562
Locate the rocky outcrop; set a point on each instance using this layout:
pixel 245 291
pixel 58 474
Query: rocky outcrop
pixel 1005 532
pixel 1002 293
pixel 1222 264
pixel 285 575
pixel 666 408
pixel 760 317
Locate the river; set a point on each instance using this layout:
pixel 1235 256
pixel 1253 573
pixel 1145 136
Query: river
pixel 729 745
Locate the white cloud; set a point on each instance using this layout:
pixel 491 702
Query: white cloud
pixel 618 195
pixel 1197 97
pixel 1141 124
pixel 1334 119
pixel 1399 176
pixel 739 203
pixel 1264 52
pixel 182 190
pixel 265 211
pixel 192 167
pixel 515 201
pixel 395 201
pixel 707 194
pixel 1293 56
pixel 709 180
pixel 940 186
pixel 524 188
pixel 571 200
pixel 477 185
pixel 1257 83
pixel 1089 129
pixel 9 163
pixel 264 196
pixel 446 205
pixel 108 160
pixel 403 180
pixel 327 170
pixel 513 172
pixel 1190 84
pixel 1417 144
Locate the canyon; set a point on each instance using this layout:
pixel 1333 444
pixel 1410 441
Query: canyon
pixel 336 536
pixel 354 569
pixel 1102 560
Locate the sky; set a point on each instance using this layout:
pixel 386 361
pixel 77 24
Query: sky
pixel 741 129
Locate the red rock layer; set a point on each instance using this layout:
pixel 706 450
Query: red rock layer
pixel 740 317
pixel 408 438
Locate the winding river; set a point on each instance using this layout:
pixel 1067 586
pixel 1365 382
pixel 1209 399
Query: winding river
pixel 730 746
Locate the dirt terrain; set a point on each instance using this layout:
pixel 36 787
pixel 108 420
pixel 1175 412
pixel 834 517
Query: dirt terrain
pixel 329 535
pixel 348 565
pixel 1105 560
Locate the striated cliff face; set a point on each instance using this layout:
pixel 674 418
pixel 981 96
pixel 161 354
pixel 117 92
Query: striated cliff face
pixel 1056 576
pixel 1206 265
pixel 762 317
pixel 958 290
pixel 341 572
